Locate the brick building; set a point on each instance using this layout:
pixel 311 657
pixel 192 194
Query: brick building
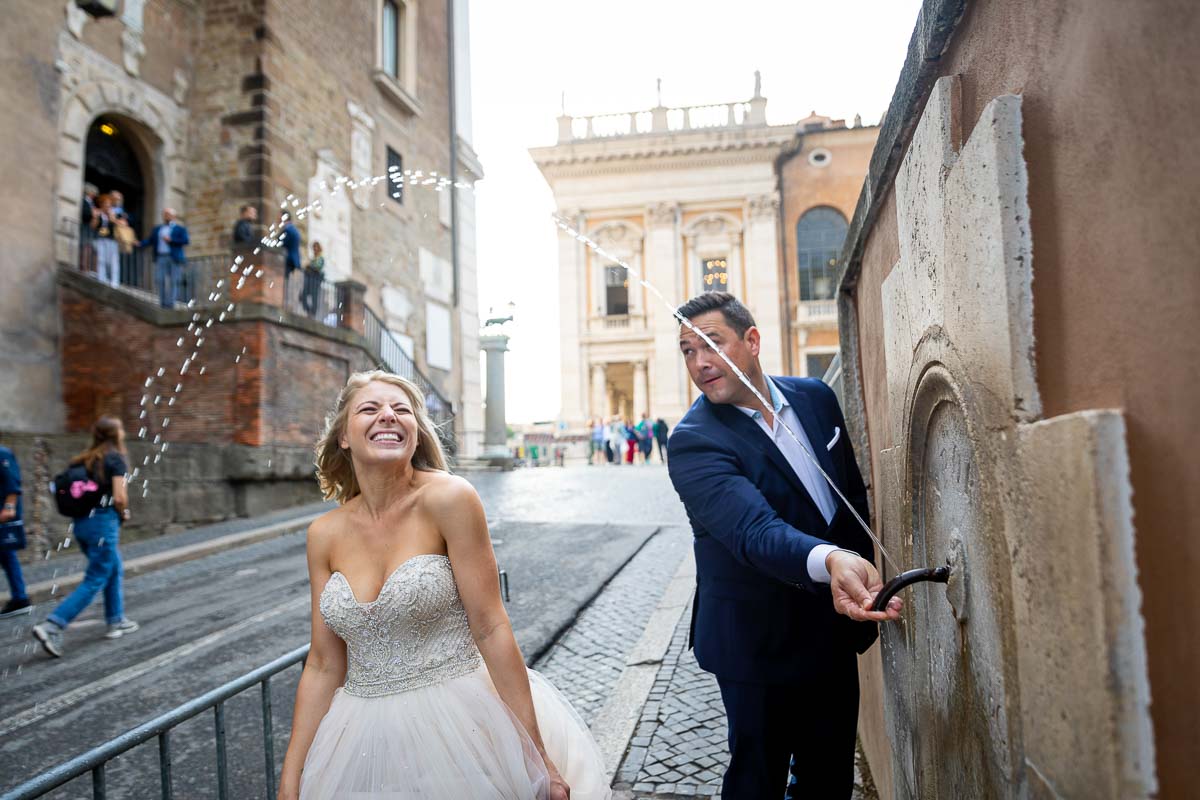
pixel 206 106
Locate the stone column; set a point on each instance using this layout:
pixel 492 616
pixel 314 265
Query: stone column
pixel 762 293
pixel 599 393
pixel 352 297
pixel 495 437
pixel 640 395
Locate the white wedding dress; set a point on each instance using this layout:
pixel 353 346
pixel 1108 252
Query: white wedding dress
pixel 419 718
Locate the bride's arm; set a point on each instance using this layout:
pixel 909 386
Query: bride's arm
pixel 324 670
pixel 461 520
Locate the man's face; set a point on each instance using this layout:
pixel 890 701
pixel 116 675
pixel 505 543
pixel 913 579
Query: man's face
pixel 251 213
pixel 168 214
pixel 708 370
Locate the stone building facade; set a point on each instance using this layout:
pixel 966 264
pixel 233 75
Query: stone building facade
pixel 1019 345
pixel 820 174
pixel 208 105
pixel 690 198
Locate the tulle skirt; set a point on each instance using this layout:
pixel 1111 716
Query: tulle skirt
pixel 455 740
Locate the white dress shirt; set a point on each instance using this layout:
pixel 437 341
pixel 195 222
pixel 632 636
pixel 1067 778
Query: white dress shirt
pixel 805 470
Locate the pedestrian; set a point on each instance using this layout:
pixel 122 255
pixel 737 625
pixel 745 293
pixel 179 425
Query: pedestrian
pixel 778 563
pixel 243 229
pixel 104 241
pixel 87 209
pixel 314 276
pixel 631 442
pixel 660 435
pixel 616 440
pixel 645 437
pixel 168 241
pixel 98 535
pixel 12 534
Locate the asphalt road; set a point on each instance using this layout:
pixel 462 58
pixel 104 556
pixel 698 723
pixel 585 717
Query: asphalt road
pixel 560 534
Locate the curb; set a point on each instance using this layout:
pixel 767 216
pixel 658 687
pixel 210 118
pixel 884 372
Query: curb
pixel 58 588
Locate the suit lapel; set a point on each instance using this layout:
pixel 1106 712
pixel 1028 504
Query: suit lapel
pixel 812 427
pixel 749 431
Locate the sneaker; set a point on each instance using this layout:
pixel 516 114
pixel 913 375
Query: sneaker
pixel 15 608
pixel 119 629
pixel 51 637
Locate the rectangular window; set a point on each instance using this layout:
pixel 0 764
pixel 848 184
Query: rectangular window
pixel 395 169
pixel 391 39
pixel 439 353
pixel 716 275
pixel 616 286
pixel 818 363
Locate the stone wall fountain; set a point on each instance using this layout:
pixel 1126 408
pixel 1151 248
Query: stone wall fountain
pixel 1025 676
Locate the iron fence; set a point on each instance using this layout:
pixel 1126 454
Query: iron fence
pixel 96 759
pixel 133 269
pixel 309 294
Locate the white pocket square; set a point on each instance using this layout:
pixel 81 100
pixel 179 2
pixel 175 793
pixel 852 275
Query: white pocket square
pixel 837 434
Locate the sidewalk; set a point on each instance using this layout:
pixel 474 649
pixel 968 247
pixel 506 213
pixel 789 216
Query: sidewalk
pixel 656 715
pixel 61 571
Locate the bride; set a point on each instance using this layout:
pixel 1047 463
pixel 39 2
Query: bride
pixel 420 692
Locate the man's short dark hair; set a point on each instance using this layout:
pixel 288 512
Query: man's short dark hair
pixel 246 207
pixel 736 315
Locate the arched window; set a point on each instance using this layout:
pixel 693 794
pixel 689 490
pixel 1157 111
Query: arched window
pixel 819 237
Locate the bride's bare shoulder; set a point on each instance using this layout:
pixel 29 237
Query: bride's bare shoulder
pixel 325 527
pixel 442 487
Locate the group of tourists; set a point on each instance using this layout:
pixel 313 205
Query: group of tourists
pixel 620 440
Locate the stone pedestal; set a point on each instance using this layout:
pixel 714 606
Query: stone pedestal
pixel 249 288
pixel 353 314
pixel 495 437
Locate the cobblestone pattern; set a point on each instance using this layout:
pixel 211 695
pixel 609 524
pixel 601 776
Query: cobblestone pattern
pixel 678 749
pixel 588 659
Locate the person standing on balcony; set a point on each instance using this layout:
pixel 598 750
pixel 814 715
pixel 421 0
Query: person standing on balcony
pixel 88 207
pixel 290 241
pixel 87 210
pixel 314 276
pixel 98 535
pixel 12 534
pixel 168 240
pixel 104 242
pixel 243 229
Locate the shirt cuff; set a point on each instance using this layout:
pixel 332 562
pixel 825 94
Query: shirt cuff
pixel 817 571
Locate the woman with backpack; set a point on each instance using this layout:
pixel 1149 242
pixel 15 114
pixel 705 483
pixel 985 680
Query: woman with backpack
pixel 101 482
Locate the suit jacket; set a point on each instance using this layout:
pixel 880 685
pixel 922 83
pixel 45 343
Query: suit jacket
pixel 179 240
pixel 757 616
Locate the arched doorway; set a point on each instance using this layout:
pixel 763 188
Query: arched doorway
pixel 113 162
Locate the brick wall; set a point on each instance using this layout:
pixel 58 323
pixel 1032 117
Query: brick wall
pixel 268 379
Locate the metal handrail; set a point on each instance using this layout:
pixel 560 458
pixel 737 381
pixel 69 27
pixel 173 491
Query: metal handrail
pixel 94 760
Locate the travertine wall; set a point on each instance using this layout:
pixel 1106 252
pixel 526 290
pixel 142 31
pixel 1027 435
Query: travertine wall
pixel 1105 497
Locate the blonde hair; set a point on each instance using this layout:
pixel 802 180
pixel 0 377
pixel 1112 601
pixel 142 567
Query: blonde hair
pixel 335 469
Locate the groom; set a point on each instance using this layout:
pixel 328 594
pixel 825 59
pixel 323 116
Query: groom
pixel 783 579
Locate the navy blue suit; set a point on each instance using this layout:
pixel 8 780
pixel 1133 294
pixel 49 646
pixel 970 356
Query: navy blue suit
pixel 785 660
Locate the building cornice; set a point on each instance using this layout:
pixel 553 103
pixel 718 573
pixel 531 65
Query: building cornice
pixel 689 146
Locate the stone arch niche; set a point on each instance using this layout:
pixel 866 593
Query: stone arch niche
pixel 1025 677
pixel 91 87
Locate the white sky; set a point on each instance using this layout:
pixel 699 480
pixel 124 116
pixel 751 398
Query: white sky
pixel 838 57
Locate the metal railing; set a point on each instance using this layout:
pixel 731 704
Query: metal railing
pixel 95 760
pixel 312 296
pixel 134 270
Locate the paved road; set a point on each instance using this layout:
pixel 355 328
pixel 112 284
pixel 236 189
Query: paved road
pixel 561 535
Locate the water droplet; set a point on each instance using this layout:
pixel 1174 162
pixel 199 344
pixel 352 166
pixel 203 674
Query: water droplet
pixel 166 422
pixel 178 386
pixel 157 397
pixel 161 371
pixel 171 402
pixel 157 438
pixel 202 370
pixel 142 432
pixel 179 342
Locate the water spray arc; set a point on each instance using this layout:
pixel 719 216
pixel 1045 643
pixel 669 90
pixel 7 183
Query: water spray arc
pixel 902 579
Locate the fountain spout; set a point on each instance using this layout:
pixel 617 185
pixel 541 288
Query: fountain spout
pixel 896 584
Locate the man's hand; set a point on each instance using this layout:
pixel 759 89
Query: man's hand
pixel 8 515
pixel 855 582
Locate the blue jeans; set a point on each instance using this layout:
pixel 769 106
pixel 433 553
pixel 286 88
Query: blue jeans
pixel 12 569
pixel 98 537
pixel 166 272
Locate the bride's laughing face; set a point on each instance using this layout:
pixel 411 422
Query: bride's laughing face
pixel 381 427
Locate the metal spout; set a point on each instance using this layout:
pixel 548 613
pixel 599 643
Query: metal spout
pixel 893 587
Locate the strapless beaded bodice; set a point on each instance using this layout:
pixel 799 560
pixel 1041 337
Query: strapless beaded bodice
pixel 414 634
